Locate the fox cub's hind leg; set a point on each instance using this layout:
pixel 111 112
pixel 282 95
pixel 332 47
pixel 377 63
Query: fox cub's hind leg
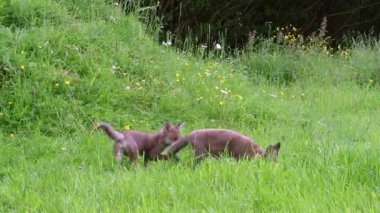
pixel 118 152
pixel 200 155
pixel 132 152
pixel 129 148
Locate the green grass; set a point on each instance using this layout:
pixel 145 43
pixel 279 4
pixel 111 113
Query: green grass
pixel 66 64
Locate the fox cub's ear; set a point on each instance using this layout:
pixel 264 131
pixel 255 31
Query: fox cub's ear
pixel 180 125
pixel 272 150
pixel 167 126
pixel 277 146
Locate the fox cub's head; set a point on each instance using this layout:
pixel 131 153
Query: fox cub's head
pixel 172 132
pixel 272 151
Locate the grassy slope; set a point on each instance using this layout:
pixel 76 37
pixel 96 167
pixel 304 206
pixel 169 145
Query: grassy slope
pixel 56 81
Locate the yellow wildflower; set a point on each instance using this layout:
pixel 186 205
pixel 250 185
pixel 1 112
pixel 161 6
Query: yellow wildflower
pixel 56 85
pixel 126 127
pixel 221 103
pixel 67 82
pixel 22 67
pixel 177 74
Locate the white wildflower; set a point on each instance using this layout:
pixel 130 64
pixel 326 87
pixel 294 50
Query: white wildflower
pixel 113 68
pixel 167 43
pixel 218 46
pixel 112 19
pixel 273 95
pixel 224 92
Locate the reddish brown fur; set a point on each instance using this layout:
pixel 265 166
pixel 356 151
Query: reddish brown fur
pixel 218 141
pixel 133 143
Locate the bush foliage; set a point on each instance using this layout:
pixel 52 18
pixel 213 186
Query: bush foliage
pixel 232 21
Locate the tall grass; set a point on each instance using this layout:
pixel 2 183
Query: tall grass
pixel 66 64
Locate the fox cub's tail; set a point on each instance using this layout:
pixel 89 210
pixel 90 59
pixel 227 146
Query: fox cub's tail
pixel 111 132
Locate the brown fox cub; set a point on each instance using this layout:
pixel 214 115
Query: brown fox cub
pixel 133 143
pixel 217 141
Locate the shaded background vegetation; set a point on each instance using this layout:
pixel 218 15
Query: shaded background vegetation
pixel 234 21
